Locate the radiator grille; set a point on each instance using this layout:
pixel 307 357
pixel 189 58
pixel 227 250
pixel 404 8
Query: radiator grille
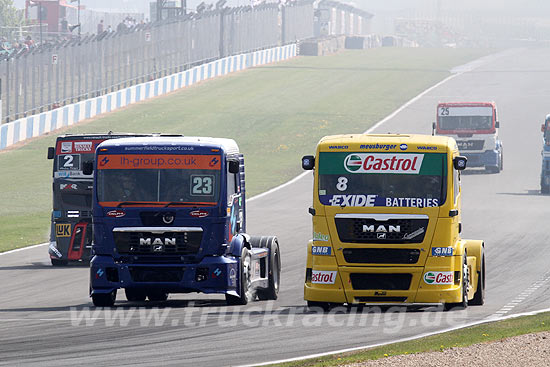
pixel 368 230
pixel 366 281
pixel 135 243
pixel 381 256
pixel 380 299
pixel 470 144
pixel 156 274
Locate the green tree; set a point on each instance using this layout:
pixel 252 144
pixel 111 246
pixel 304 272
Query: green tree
pixel 9 17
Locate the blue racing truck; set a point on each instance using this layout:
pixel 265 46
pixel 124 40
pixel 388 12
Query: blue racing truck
pixel 545 172
pixel 169 216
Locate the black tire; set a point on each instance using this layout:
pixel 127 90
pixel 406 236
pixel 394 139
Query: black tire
pixel 274 274
pixel 58 262
pixel 104 299
pixel 135 295
pixel 316 306
pixel 244 281
pixel 157 296
pixel 465 280
pixel 479 296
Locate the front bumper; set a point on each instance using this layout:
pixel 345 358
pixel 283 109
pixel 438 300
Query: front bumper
pixel 216 274
pixel 418 292
pixel 486 158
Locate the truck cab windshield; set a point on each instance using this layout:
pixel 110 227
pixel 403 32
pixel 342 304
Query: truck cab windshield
pixel 465 122
pixel 159 185
pixel 364 179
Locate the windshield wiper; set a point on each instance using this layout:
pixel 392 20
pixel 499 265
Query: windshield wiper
pixel 189 204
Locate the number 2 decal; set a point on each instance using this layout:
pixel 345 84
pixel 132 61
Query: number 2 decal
pixel 68 161
pixel 202 185
pixel 444 111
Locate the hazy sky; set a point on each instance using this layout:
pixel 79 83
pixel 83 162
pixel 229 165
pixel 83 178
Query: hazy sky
pixel 500 7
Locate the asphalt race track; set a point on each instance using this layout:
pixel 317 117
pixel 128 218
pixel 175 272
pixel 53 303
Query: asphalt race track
pixel 37 326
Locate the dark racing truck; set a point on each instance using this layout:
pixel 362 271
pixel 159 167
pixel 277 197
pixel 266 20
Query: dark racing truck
pixel 71 218
pixel 169 216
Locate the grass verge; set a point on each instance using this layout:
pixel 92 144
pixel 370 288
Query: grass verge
pixel 458 338
pixel 276 113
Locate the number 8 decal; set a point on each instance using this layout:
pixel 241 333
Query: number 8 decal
pixel 342 184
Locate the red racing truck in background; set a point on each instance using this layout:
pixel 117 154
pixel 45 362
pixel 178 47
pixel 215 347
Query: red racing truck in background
pixel 474 126
pixel 71 219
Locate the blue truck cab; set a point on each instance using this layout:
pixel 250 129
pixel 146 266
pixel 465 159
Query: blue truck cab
pixel 169 216
pixel 545 171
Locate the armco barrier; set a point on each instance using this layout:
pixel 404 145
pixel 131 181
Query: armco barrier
pixel 36 125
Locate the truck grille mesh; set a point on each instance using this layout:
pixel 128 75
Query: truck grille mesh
pixel 366 281
pixel 470 144
pixel 156 274
pixel 367 230
pixel 186 243
pixel 381 255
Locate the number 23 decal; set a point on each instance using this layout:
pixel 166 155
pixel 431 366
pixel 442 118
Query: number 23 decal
pixel 202 185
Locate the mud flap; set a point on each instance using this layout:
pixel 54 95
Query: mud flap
pixel 76 247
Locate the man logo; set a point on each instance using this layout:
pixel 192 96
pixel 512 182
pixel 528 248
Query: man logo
pixel 353 162
pixel 381 236
pixel 381 229
pixel 157 241
pixel 158 248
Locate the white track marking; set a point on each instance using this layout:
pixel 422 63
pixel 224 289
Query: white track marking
pixel 479 322
pixel 523 295
pixel 277 188
pixel 23 248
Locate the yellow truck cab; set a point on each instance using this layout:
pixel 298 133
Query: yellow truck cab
pixel 386 224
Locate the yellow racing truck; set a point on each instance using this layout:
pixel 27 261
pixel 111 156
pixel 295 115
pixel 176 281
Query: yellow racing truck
pixel 386 224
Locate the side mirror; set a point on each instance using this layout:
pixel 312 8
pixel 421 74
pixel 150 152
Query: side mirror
pixel 542 129
pixel 51 152
pixel 497 124
pixel 308 162
pixel 233 167
pixel 433 128
pixel 459 163
pixel 88 167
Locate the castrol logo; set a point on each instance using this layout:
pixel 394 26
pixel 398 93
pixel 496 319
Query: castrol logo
pixel 323 277
pixel 439 277
pixel 383 163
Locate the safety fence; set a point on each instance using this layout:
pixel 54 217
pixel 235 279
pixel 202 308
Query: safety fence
pixel 47 77
pixel 32 126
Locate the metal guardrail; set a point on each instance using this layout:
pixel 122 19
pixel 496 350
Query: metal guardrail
pixel 54 75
